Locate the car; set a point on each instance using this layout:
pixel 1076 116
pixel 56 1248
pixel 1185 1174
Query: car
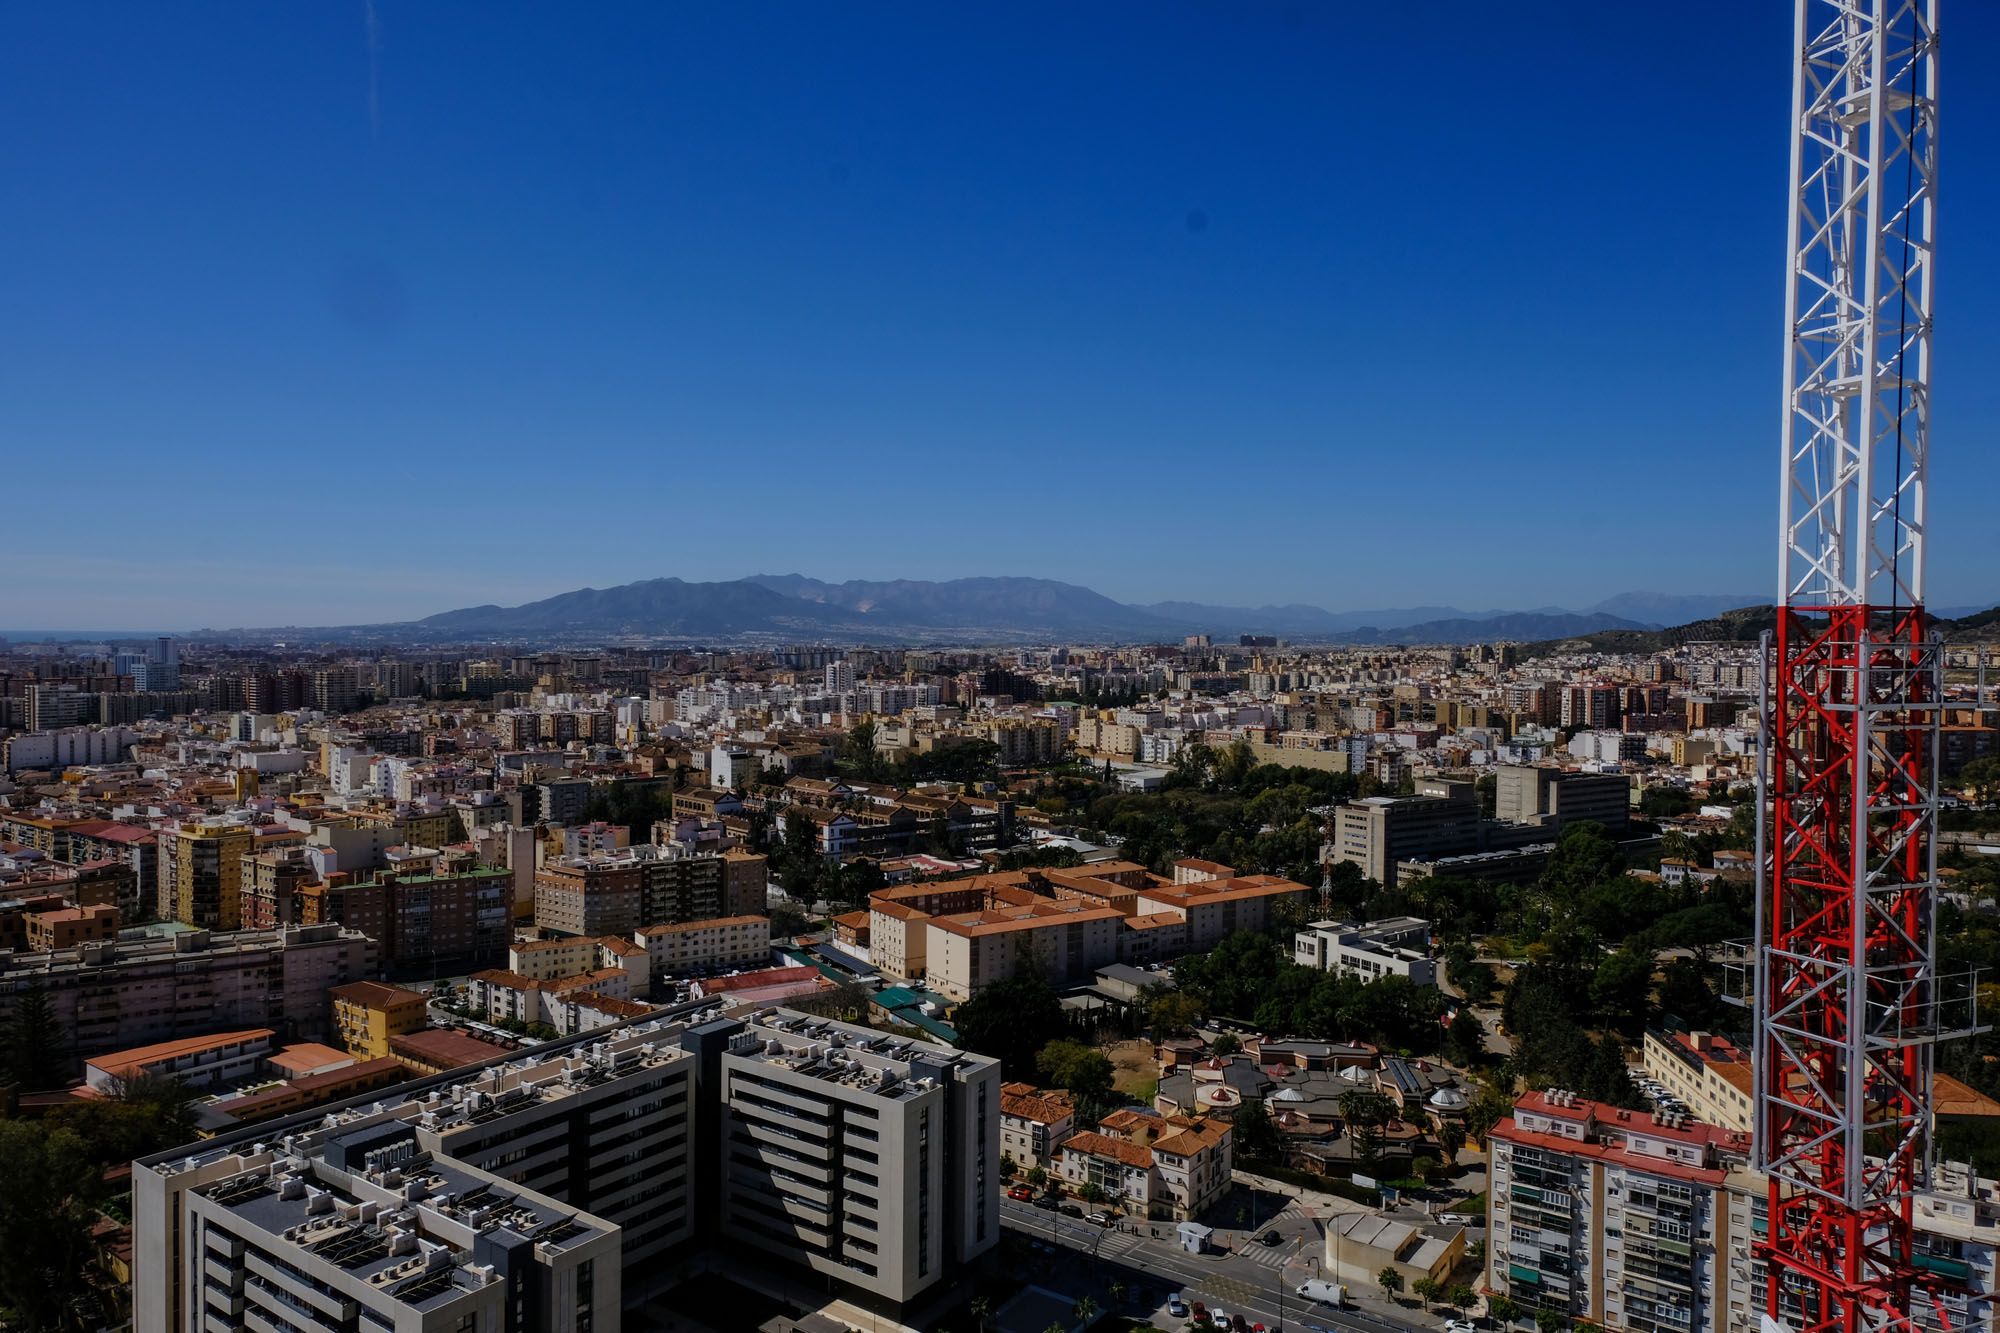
pixel 1198 1312
pixel 1100 1219
pixel 1220 1318
pixel 1044 1201
pixel 1271 1238
pixel 1177 1305
pixel 1070 1210
pixel 1020 1194
pixel 1238 1324
pixel 1460 1326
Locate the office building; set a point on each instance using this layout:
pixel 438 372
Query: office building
pixel 1378 831
pixel 1551 797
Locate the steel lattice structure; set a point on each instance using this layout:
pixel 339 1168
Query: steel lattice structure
pixel 1846 996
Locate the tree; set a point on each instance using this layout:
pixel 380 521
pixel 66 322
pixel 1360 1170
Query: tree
pixel 1081 1070
pixel 1037 1177
pixel 1170 1013
pixel 980 1308
pixel 1011 1020
pixel 1460 1295
pixel 46 1182
pixel 1584 857
pixel 1451 1137
pixel 32 1044
pixel 1425 1289
pixel 1008 1166
pixel 1390 1281
pixel 1620 989
pixel 1503 1309
pixel 1085 1310
pixel 1551 1321
pixel 1091 1192
pixel 1685 993
pixel 1255 1135
pixel 1465 1039
pixel 1226 1044
pixel 1365 1113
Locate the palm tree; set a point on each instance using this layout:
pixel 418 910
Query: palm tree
pixel 1085 1310
pixel 1451 1138
pixel 981 1309
pixel 1118 1289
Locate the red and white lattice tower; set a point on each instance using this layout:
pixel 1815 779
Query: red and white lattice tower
pixel 1846 1000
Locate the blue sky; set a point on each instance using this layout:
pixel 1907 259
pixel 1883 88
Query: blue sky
pixel 1360 305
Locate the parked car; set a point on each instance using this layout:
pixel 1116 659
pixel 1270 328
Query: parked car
pixel 1045 1201
pixel 1071 1210
pixel 1177 1305
pixel 1100 1219
pixel 1020 1194
pixel 1460 1326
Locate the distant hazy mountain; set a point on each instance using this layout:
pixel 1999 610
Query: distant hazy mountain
pixel 1296 619
pixel 655 606
pixel 1014 604
pixel 1665 608
pixel 991 610
pixel 1511 625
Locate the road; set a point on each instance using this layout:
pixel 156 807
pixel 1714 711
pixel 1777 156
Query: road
pixel 1254 1281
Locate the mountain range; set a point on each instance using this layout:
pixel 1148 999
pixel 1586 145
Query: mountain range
pixel 997 610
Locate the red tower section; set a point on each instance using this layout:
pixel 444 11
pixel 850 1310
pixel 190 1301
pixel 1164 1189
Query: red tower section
pixel 1848 977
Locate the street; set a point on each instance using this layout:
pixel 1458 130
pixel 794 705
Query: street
pixel 1253 1280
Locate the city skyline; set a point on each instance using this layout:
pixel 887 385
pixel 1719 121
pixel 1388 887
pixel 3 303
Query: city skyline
pixel 663 283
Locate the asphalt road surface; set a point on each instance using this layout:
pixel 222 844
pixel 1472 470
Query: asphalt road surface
pixel 1253 1280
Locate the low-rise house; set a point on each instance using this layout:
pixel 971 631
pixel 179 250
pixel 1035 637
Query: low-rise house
pixel 1034 1123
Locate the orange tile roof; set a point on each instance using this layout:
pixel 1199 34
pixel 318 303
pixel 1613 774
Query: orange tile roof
pixel 121 1064
pixel 1092 1144
pixel 1024 1101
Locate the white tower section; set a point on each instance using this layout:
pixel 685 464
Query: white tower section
pixel 1858 304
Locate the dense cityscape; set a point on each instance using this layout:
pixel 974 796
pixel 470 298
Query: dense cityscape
pixel 925 987
pixel 1200 843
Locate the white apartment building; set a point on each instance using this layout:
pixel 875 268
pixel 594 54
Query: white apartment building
pixel 1396 947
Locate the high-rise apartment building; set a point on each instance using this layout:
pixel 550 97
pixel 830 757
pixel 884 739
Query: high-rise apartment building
pixel 568 1172
pixel 1631 1221
pixel 201 874
pixel 334 689
pixel 130 991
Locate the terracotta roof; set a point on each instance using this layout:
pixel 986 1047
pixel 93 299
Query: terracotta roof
pixel 447 1048
pixel 1092 1144
pixel 1951 1097
pixel 121 1064
pixel 1024 1101
pixel 376 995
pixel 683 927
pixel 770 976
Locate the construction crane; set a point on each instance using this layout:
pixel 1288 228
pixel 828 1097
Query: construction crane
pixel 1847 999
